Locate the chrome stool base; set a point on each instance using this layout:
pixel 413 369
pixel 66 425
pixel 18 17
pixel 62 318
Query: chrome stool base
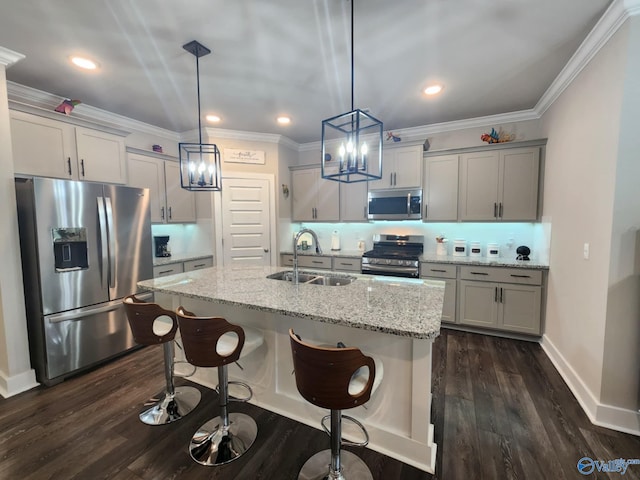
pixel 169 408
pixel 214 444
pixel 318 467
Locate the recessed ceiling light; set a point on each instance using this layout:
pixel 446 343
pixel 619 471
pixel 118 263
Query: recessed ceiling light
pixel 85 63
pixel 284 120
pixel 433 89
pixel 212 118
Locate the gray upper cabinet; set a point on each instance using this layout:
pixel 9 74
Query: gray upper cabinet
pixel 169 203
pixel 353 202
pixel 499 185
pixel 440 188
pixel 401 168
pixel 50 148
pixel 314 199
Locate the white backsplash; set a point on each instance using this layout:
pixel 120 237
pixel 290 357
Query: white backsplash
pixel 507 235
pixel 185 238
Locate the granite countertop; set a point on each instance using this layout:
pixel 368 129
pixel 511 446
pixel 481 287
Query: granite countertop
pixel 326 253
pixel 179 258
pixel 484 261
pixel 404 307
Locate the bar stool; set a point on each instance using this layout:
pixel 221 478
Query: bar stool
pixel 332 378
pixel 214 342
pixel 151 325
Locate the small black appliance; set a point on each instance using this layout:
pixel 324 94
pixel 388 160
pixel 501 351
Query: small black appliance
pixel 523 252
pixel 162 246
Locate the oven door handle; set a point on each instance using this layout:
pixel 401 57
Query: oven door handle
pixel 384 268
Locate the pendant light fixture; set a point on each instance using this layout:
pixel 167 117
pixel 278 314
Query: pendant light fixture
pixel 199 162
pixel 352 142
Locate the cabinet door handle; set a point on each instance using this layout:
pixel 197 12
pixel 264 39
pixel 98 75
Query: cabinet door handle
pixel 82 166
pixel 520 276
pixel 495 209
pixel 478 273
pixel 69 165
pixel 391 179
pixel 316 261
pixel 165 271
pixel 425 210
pixel 365 212
pixel 500 210
pixel 495 294
pixel 395 178
pixel 346 264
pixel 169 213
pixel 501 301
pixel 162 213
pixel 437 270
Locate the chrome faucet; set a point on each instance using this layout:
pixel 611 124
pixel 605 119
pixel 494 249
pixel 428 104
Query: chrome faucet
pixel 295 250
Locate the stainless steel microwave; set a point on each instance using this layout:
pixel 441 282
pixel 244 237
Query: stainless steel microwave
pixel 396 204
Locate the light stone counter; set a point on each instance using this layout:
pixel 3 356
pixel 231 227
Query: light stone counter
pixel 484 261
pixel 405 307
pixel 393 320
pixel 179 258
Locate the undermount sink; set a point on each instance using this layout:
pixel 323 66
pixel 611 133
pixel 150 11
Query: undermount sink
pixel 313 278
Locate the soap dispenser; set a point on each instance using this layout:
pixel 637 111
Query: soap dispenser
pixel 335 241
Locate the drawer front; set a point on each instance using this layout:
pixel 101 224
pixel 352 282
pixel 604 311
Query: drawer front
pixel 286 260
pixel 521 276
pixel 347 264
pixel 164 270
pixel 309 261
pixel 437 270
pixel 198 264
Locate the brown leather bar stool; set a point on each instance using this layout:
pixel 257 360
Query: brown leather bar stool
pixel 152 325
pixel 214 342
pixel 325 377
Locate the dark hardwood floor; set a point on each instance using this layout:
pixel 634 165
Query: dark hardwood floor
pixel 500 410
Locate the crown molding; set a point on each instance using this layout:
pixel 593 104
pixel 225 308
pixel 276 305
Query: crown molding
pixel 609 23
pixel 223 133
pixel 26 98
pixel 412 134
pixel 9 57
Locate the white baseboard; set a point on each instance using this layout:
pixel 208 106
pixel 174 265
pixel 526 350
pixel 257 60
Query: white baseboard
pixel 10 386
pixel 608 416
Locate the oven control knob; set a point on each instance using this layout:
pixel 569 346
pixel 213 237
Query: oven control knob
pixel 388 262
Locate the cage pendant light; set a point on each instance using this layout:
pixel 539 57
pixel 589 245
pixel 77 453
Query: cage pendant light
pixel 199 162
pixel 352 142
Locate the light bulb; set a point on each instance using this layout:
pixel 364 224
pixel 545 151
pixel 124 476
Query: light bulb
pixel 349 146
pixel 201 167
pixel 211 169
pixel 341 151
pixel 364 149
pixel 192 167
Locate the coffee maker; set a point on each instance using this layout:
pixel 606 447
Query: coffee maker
pixel 162 246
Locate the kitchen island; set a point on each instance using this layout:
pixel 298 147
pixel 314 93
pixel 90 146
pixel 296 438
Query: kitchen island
pixel 393 320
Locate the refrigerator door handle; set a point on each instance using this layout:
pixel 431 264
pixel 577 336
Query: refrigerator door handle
pixel 112 243
pixel 104 254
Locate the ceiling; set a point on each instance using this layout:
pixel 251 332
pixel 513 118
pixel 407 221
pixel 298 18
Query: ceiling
pixel 292 57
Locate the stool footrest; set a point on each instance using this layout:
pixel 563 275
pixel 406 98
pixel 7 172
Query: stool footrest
pixel 347 442
pixel 238 399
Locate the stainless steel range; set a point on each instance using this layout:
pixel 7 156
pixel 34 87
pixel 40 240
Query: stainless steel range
pixel 395 255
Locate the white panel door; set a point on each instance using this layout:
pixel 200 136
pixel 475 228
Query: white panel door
pixel 246 232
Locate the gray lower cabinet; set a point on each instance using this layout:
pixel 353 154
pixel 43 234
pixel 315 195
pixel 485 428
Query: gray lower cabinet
pixel 321 262
pixel 512 307
pixel 447 274
pixel 180 267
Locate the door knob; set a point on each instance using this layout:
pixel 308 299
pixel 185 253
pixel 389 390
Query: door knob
pixel 266 250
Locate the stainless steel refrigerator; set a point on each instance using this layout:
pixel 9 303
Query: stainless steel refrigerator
pixel 84 247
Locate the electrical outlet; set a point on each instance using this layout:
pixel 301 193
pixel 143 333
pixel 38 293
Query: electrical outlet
pixel 585 251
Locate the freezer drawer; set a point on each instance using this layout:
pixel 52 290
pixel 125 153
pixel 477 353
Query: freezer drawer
pixel 83 337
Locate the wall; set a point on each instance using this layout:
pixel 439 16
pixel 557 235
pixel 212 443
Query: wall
pixel 583 127
pixel 16 374
pixel 621 366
